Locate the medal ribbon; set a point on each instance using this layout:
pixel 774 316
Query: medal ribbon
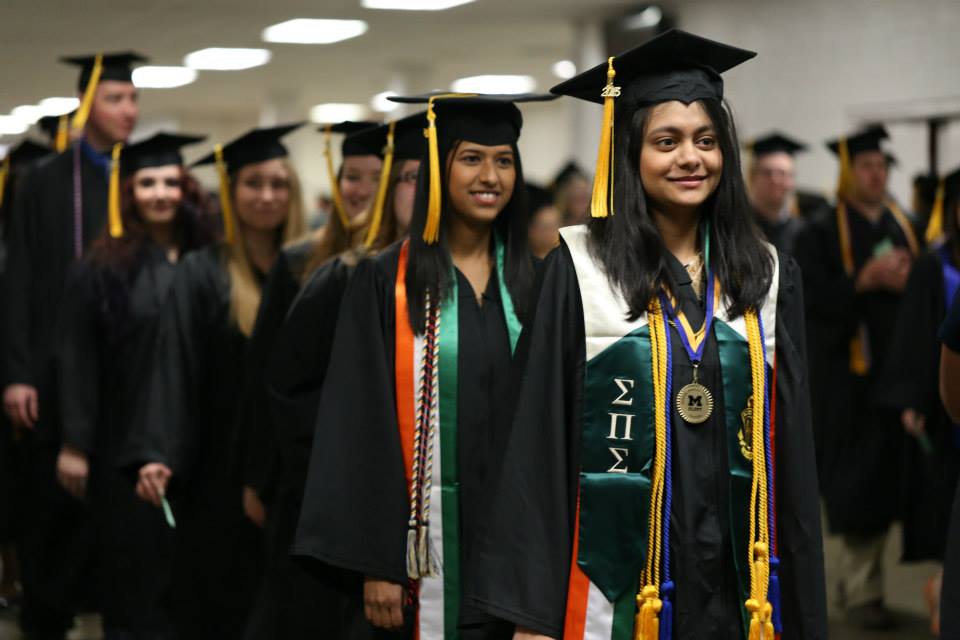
pixel 695 341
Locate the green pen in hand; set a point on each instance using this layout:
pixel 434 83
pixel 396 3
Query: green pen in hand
pixel 168 512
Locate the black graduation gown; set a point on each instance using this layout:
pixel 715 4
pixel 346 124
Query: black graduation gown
pixel 526 551
pixel 293 348
pixel 782 234
pixel 356 502
pixel 189 421
pixel 104 358
pixel 910 381
pixel 858 443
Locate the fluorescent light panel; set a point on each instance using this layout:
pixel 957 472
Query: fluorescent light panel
pixel 29 113
pixel 163 77
pixel 494 84
pixel 227 59
pixel 12 125
pixel 314 31
pixel 564 69
pixel 381 103
pixel 58 106
pixel 337 112
pixel 413 5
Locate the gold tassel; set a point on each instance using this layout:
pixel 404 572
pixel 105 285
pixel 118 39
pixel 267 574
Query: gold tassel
pixel 226 205
pixel 332 175
pixel 646 622
pixel 376 218
pixel 935 224
pixel 86 104
pixel 62 139
pixel 845 180
pixel 113 202
pixel 601 205
pixel 431 230
pixel 4 172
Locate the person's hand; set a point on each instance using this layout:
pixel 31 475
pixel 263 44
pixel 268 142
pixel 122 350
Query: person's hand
pixel 383 603
pixel 889 271
pixel 72 471
pixel 20 404
pixel 253 507
pixel 914 423
pixel 152 483
pixel 526 634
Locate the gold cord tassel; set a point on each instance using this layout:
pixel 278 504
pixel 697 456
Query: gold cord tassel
pixel 431 230
pixel 845 180
pixel 647 624
pixel 376 218
pixel 86 104
pixel 226 205
pixel 113 202
pixel 935 224
pixel 62 139
pixel 601 205
pixel 332 175
pixel 4 172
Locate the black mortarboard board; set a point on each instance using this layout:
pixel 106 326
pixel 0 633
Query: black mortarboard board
pixel 675 65
pixel 256 145
pixel 409 143
pixel 774 142
pixel 26 152
pixel 116 66
pixel 350 127
pixel 159 150
pixel 537 198
pixel 866 140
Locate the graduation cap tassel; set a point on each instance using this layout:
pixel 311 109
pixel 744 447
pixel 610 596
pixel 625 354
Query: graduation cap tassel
pixel 332 176
pixel 62 139
pixel 935 224
pixel 4 172
pixel 86 104
pixel 226 206
pixel 431 230
pixel 113 202
pixel 845 180
pixel 601 204
pixel 376 218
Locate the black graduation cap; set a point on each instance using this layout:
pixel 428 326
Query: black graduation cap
pixel 774 142
pixel 675 65
pixel 868 139
pixel 256 145
pixel 892 160
pixel 409 143
pixel 26 152
pixel 569 170
pixel 114 66
pixel 159 150
pixel 350 127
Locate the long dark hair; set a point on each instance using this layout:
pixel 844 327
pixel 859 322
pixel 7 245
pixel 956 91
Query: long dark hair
pixel 429 267
pixel 630 247
pixel 118 260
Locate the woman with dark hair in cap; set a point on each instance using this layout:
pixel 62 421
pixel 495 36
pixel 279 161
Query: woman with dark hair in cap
pixel 287 362
pixel 186 434
pixel 109 322
pixel 413 406
pixel 656 483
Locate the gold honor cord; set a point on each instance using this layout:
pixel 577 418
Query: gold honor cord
pixel 601 204
pixel 86 104
pixel 935 224
pixel 4 172
pixel 377 216
pixel 226 205
pixel 62 138
pixel 332 176
pixel 113 194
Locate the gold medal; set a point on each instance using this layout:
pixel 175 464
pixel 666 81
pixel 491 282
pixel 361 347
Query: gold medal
pixel 695 402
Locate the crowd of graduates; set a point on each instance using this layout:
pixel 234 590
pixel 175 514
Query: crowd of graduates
pixel 468 406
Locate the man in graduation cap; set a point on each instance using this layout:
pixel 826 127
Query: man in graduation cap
pixel 778 207
pixel 855 260
pixel 60 208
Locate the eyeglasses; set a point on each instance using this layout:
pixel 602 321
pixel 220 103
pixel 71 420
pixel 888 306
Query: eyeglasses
pixel 408 177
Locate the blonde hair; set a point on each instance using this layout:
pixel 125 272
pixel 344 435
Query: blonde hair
pixel 245 290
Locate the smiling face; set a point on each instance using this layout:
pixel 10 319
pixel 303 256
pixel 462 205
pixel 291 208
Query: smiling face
pixel 262 195
pixel 157 192
pixel 359 177
pixel 481 180
pixel 680 159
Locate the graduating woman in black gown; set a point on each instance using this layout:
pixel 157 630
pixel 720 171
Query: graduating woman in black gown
pixel 290 350
pixel 188 436
pixel 657 481
pixel 909 383
pixel 411 408
pixel 109 322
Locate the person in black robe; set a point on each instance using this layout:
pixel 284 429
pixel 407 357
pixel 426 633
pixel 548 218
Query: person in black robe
pixel 950 397
pixel 291 350
pixel 564 550
pixel 186 432
pixel 909 384
pixel 855 261
pixel 59 209
pixel 365 510
pixel 109 320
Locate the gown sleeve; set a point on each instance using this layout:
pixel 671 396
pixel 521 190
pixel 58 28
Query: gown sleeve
pixel 525 551
pixel 354 512
pixel 79 359
pixel 799 537
pixel 17 364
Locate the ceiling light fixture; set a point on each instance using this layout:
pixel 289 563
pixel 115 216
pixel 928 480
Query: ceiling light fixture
pixel 381 102
pixel 337 112
pixel 12 125
pixel 649 17
pixel 494 84
pixel 58 106
pixel 314 31
pixel 564 69
pixel 163 77
pixel 413 5
pixel 226 59
pixel 29 113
